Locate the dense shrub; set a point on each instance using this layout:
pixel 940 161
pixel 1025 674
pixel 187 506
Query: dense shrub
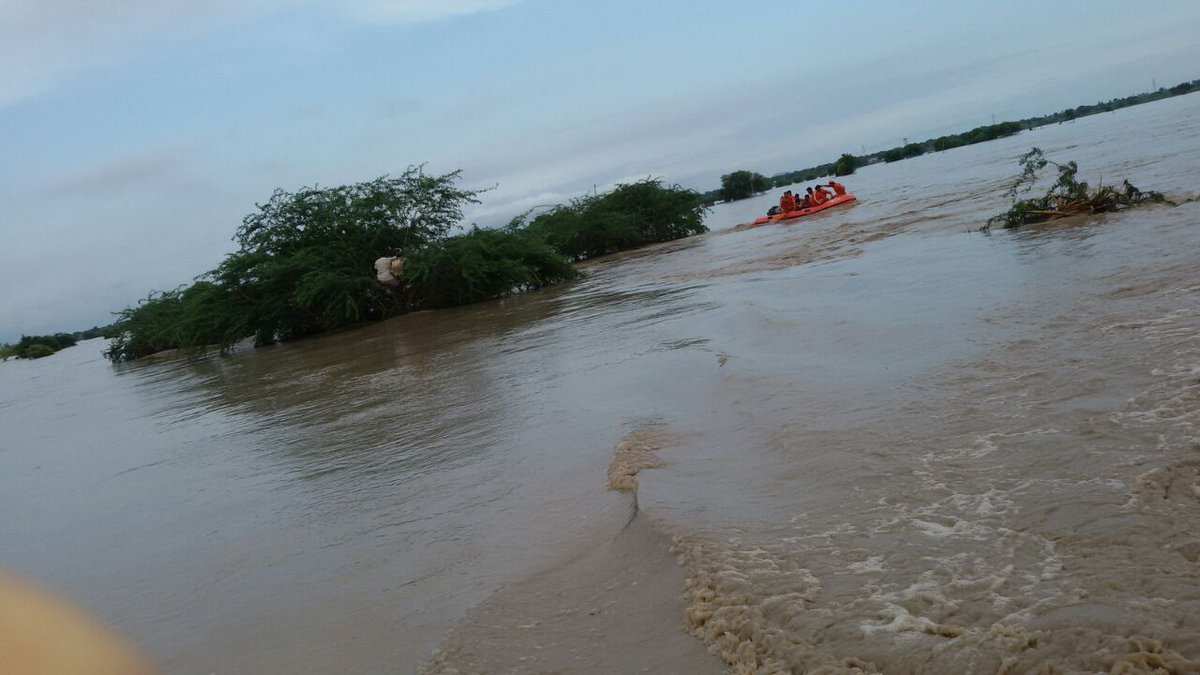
pixel 481 265
pixel 743 184
pixel 585 229
pixel 631 215
pixel 152 326
pixel 305 259
pixel 304 265
pixel 37 351
pixel 37 346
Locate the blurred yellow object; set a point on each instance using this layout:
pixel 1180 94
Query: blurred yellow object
pixel 44 635
pixel 397 267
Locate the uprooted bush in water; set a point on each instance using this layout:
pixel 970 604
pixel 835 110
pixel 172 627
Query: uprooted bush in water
pixel 1067 196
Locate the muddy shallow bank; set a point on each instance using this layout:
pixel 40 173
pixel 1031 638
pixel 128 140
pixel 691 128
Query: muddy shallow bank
pixel 903 446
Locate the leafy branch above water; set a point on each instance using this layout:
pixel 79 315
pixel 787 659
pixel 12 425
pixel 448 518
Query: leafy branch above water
pixel 1067 196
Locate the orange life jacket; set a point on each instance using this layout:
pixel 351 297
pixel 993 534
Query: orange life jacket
pixel 818 197
pixel 838 188
pixel 787 203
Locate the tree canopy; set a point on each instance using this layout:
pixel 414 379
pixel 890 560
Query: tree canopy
pixel 845 165
pixel 630 215
pixel 37 346
pixel 743 184
pixel 305 261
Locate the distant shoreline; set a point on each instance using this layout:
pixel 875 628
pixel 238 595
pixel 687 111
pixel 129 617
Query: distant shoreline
pixel 977 135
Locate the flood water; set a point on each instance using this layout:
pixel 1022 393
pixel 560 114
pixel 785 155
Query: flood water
pixel 893 443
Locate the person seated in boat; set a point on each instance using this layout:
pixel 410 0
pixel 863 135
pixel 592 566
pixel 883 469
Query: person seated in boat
pixel 807 203
pixel 816 196
pixel 838 188
pixel 787 202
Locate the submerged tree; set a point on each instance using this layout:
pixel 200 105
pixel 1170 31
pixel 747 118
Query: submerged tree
pixel 482 265
pixel 304 265
pixel 1067 196
pixel 305 262
pixel 37 346
pixel 743 184
pixel 845 165
pixel 629 216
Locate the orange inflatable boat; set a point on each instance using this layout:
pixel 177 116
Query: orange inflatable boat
pixel 800 213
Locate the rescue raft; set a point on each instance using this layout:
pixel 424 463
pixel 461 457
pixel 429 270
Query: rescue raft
pixel 800 213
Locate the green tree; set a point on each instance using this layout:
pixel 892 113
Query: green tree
pixel 629 216
pixel 304 265
pixel 743 184
pixel 37 346
pixel 151 326
pixel 845 165
pixel 484 264
pixel 305 260
pixel 37 351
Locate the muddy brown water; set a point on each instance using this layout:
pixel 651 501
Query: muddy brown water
pixel 891 444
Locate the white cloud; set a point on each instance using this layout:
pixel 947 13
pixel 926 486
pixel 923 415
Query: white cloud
pixel 47 43
pixel 44 43
pixel 420 11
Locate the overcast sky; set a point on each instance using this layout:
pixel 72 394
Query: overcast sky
pixel 136 134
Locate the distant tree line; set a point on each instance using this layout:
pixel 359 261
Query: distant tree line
pixel 95 332
pixel 1111 105
pixel 37 346
pixel 305 259
pixel 847 163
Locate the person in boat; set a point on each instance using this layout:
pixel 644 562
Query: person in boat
pixel 807 203
pixel 817 197
pixel 838 188
pixel 787 202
